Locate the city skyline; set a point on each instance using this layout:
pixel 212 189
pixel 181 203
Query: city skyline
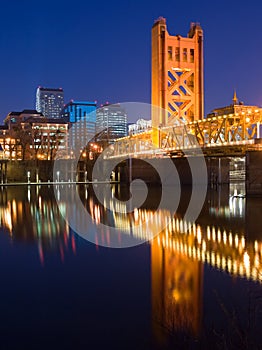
pixel 103 52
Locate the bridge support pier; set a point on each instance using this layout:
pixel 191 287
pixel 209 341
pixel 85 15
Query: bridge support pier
pixel 3 171
pixel 254 173
pixel 218 170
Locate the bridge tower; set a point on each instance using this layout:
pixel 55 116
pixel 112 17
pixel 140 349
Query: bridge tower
pixel 177 75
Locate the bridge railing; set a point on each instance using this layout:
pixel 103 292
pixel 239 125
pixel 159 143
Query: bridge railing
pixel 227 130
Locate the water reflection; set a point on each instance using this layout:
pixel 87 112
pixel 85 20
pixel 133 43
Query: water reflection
pixel 220 237
pixel 176 289
pixel 226 237
pixel 31 214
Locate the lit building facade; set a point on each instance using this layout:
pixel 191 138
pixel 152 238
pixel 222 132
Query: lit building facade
pixel 111 122
pixel 81 115
pixel 49 101
pixel 30 135
pixel 235 108
pixel 140 126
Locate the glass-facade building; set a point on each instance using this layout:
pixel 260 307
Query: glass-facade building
pixel 81 115
pixel 111 122
pixel 49 101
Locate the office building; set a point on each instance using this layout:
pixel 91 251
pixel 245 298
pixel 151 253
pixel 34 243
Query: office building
pixel 81 115
pixel 111 122
pixel 30 135
pixel 49 101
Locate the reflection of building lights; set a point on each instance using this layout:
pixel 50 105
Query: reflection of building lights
pixel 235 267
pixel 218 260
pixel 213 259
pixel 208 233
pixel 198 254
pixel 229 265
pixel 219 235
pixel 199 236
pixel 223 263
pixel 246 260
pixel 230 239
pixel 236 240
pixel 224 237
pixel 213 233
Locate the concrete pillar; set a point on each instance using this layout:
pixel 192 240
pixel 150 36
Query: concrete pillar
pixel 254 173
pixel 218 170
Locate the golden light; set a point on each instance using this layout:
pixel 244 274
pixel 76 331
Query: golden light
pixel 246 260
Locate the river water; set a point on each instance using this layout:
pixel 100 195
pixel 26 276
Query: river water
pixel 192 286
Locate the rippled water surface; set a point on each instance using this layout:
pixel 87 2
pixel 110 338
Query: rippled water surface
pixel 194 286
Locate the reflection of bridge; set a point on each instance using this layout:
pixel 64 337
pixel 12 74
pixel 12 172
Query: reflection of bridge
pixel 222 248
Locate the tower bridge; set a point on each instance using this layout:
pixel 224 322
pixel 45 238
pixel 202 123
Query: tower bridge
pixel 177 99
pixel 179 127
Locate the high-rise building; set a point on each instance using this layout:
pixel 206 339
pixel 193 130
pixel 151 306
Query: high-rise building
pixel 49 101
pixel 111 122
pixel 82 117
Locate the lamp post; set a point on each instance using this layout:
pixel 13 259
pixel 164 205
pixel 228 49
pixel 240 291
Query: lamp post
pixel 57 174
pixel 28 177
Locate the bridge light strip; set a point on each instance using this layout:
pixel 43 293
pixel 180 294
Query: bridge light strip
pixel 243 266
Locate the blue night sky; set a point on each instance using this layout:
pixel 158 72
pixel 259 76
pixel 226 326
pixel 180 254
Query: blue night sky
pixel 98 50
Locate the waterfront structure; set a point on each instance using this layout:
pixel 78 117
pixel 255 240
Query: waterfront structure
pixel 49 101
pixel 81 115
pixel 111 122
pixel 141 125
pixel 15 118
pixel 237 108
pixel 177 75
pixel 30 135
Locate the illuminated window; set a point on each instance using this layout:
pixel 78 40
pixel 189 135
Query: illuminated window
pixel 192 55
pixel 169 52
pixel 185 55
pixel 177 54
